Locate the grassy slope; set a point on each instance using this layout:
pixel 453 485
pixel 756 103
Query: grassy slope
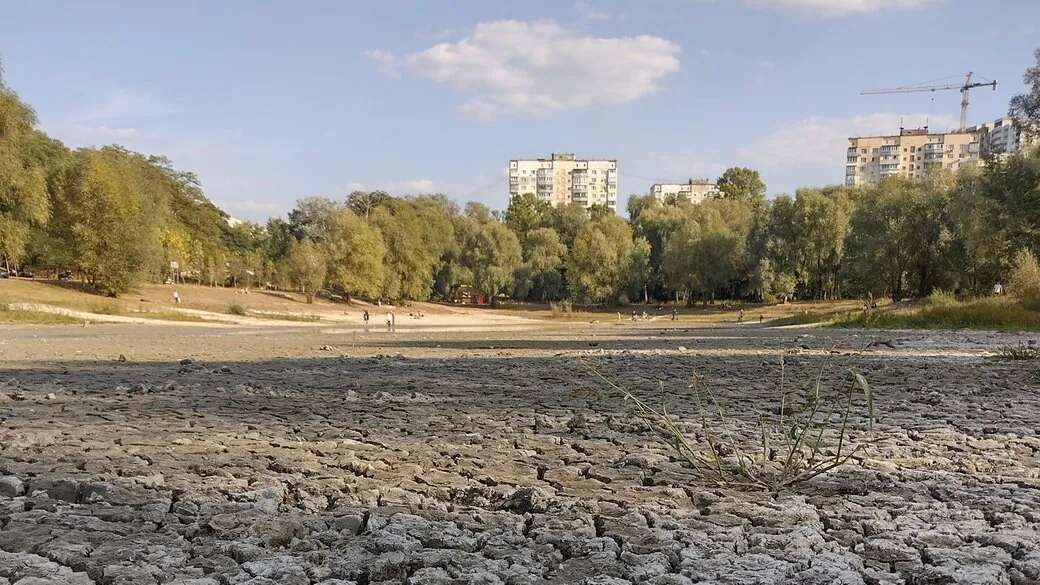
pixel 1000 314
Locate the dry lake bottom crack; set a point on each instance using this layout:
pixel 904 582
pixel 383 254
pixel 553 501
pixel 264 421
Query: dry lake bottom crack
pixel 132 455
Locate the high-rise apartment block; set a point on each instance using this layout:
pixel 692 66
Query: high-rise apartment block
pixel 1005 136
pixel 914 152
pixel 564 179
pixel 694 190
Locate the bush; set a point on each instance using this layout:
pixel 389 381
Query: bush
pixel 800 437
pixel 237 309
pixel 1025 279
pixel 941 298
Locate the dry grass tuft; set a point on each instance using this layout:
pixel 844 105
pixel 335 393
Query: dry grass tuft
pixel 797 440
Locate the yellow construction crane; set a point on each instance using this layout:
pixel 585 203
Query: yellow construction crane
pixel 964 88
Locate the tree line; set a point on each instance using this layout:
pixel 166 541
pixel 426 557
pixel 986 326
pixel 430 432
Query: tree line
pixel 117 218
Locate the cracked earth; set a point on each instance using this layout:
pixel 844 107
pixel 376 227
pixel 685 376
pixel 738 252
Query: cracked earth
pixel 130 456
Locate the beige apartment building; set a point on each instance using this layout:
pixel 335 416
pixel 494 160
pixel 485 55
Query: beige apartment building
pixel 916 151
pixel 565 179
pixel 694 190
pixel 912 153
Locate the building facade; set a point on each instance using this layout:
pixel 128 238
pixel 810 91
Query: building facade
pixel 1005 136
pixel 694 190
pixel 564 179
pixel 912 154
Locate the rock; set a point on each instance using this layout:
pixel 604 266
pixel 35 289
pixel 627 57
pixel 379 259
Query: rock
pixel 11 486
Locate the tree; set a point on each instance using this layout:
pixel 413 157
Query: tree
pixel 540 277
pixel 311 216
pixel 355 252
pixel 568 220
pixel 525 213
pixel 23 189
pixel 821 223
pixel 306 267
pixel 1026 106
pixel 102 221
pixel 640 272
pixel 491 254
pixel 742 184
pixel 363 203
pixel 600 259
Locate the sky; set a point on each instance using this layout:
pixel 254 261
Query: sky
pixel 269 102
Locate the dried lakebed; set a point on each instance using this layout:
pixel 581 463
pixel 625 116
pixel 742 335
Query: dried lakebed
pixel 444 460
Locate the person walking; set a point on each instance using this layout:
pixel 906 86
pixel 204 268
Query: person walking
pixel 389 321
pixel 740 317
pixel 393 320
pixel 675 314
pixel 365 318
pixel 176 297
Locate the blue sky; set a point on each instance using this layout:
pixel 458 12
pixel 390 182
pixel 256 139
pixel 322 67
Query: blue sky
pixel 273 101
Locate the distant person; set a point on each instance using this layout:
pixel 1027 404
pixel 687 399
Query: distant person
pixel 393 320
pixel 365 318
pixel 740 317
pixel 645 316
pixel 761 318
pixel 176 297
pixel 389 321
pixel 998 289
pixel 675 314
pixel 634 316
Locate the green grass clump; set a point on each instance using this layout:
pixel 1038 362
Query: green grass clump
pixel 18 317
pixel 237 309
pixel 286 317
pixel 803 318
pixel 1001 314
pixel 1019 352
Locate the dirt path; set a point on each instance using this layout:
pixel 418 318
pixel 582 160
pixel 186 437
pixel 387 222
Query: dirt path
pixel 321 455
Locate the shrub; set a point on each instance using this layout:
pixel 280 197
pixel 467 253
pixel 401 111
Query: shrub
pixel 941 298
pixel 798 439
pixel 237 309
pixel 1025 279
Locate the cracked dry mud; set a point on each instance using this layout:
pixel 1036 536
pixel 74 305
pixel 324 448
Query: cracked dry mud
pixel 305 458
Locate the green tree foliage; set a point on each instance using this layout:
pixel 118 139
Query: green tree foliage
pixel 355 252
pixel 600 259
pixel 540 277
pixel 102 221
pixel 491 255
pixel 306 267
pixel 23 188
pixel 525 213
pixel 1026 106
pixel 1025 279
pixel 742 184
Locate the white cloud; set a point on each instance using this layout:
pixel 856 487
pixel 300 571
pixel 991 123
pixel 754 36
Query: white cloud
pixel 539 67
pixel 678 167
pixel 829 8
pixel 588 11
pixel 401 187
pixel 822 140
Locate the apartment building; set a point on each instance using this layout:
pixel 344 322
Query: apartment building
pixel 694 190
pixel 912 153
pixel 564 179
pixel 1005 136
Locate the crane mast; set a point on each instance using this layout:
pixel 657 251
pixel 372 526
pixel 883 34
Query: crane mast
pixel 964 88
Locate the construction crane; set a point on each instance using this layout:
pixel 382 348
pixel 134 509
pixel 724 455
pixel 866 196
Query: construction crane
pixel 965 88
